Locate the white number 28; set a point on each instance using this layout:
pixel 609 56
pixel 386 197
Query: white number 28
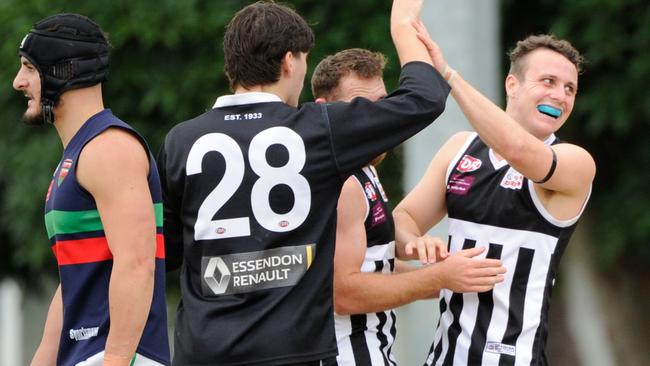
pixel 205 228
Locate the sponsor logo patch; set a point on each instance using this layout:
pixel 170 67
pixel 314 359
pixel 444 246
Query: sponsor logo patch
pixel 253 271
pixel 49 190
pixel 460 184
pixel 500 348
pixel 83 333
pixel 512 180
pixel 381 188
pixel 468 164
pixel 65 168
pixel 378 214
pixel 370 192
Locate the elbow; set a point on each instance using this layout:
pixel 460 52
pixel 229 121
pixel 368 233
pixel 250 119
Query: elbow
pixel 343 302
pixel 342 307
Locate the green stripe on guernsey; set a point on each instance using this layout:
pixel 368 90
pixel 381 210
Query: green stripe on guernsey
pixel 72 222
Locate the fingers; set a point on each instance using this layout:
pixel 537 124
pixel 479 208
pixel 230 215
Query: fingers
pixel 471 252
pixel 479 284
pixel 408 249
pixel 429 249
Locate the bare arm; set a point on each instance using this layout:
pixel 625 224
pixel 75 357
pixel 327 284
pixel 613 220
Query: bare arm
pixel 408 47
pixel 113 167
pixel 48 349
pixel 358 292
pixel 567 188
pixel 425 205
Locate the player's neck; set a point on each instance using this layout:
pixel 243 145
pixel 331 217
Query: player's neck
pixel 74 108
pixel 275 89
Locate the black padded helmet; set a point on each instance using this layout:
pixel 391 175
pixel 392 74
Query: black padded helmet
pixel 69 51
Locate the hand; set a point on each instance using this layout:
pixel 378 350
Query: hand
pixel 464 273
pixel 434 50
pixel 429 249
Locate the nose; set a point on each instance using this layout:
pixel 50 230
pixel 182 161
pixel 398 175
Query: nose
pixel 20 82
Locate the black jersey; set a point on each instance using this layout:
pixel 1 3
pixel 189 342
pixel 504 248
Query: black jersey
pixel 250 192
pixel 367 339
pixel 492 205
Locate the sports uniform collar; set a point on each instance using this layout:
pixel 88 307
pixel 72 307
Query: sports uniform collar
pixel 245 98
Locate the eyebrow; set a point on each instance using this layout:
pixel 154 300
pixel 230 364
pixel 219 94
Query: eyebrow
pixel 551 76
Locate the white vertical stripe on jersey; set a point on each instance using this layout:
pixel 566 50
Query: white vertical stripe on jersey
pixel 501 296
pixel 445 322
pixel 376 352
pixel 534 295
pixel 382 252
pixel 511 240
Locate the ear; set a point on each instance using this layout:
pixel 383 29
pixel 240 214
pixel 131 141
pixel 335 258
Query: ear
pixel 511 84
pixel 287 63
pixel 321 100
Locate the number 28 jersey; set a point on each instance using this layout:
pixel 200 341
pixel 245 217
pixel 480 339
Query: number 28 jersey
pixel 250 191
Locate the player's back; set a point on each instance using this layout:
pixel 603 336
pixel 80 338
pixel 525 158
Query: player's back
pixel 250 199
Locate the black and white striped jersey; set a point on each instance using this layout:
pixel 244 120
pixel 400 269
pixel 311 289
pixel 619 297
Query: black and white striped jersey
pixel 492 205
pixel 250 191
pixel 367 339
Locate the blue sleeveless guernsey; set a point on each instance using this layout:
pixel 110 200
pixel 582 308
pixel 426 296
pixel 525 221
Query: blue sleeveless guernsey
pixel 77 238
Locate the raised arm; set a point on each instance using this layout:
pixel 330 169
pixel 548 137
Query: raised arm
pixel 113 167
pixel 409 48
pixel 564 171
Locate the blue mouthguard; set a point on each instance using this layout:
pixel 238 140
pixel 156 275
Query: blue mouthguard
pixel 549 110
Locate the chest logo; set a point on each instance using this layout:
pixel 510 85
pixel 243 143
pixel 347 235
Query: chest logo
pixel 512 180
pixel 65 168
pixel 468 164
pixel 49 190
pixel 378 215
pixel 460 184
pixel 370 192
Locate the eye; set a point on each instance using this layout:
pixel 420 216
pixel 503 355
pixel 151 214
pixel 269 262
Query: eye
pixel 569 90
pixel 548 81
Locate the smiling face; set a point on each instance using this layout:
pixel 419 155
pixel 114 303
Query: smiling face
pixel 28 81
pixel 547 88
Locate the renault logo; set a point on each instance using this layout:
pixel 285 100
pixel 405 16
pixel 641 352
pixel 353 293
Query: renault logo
pixel 217 267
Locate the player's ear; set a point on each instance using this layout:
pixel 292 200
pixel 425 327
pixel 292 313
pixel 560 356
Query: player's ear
pixel 321 100
pixel 287 62
pixel 511 84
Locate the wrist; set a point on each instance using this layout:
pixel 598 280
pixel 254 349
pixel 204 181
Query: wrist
pixel 449 74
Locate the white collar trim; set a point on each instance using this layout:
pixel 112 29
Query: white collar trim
pixel 245 98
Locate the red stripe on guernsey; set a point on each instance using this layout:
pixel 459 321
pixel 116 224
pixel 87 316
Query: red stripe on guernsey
pixel 92 250
pixel 160 246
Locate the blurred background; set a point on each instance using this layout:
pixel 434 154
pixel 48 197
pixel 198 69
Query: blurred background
pixel 167 66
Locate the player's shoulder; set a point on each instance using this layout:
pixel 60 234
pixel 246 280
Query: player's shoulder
pixel 115 142
pixel 457 141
